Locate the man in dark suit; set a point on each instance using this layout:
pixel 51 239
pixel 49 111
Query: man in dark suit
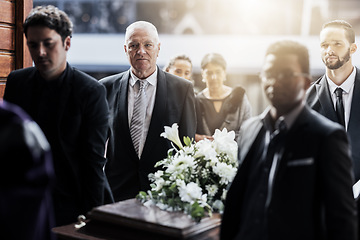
pixel 295 175
pixel 26 177
pixel 337 43
pixel 168 99
pixel 71 109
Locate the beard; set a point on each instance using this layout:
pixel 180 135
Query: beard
pixel 339 63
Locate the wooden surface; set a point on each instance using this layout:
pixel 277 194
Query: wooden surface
pixel 7 12
pixel 130 220
pixel 13 50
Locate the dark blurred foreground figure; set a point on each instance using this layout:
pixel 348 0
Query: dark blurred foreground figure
pixel 295 175
pixel 219 106
pixel 71 109
pixel 26 210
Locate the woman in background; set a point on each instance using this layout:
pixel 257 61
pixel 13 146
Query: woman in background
pixel 219 106
pixel 181 66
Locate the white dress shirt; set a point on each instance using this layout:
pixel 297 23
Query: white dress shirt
pixel 348 89
pixel 150 101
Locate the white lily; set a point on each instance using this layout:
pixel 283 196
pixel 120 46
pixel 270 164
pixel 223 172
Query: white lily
pixel 172 133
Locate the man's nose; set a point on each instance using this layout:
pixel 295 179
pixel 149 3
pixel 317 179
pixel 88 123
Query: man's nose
pixel 214 76
pixel 42 50
pixel 329 50
pixel 141 50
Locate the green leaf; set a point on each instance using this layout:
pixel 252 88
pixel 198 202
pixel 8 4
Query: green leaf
pixel 197 212
pixel 187 141
pixel 142 196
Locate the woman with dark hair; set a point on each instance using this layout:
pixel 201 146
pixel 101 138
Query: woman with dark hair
pixel 219 106
pixel 180 65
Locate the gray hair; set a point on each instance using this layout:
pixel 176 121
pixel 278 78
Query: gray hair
pixel 142 25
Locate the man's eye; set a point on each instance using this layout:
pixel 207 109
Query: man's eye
pixel 31 45
pixel 48 44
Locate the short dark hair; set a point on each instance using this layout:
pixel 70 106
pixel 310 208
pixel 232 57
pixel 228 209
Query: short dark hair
pixel 214 58
pixel 51 17
pixel 174 59
pixel 285 47
pixel 349 31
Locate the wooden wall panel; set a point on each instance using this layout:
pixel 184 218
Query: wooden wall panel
pixel 23 58
pixel 2 87
pixel 13 50
pixel 7 34
pixel 7 11
pixel 7 64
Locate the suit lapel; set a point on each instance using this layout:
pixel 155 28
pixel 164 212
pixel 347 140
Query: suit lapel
pixel 323 92
pixel 121 121
pixel 354 120
pixel 158 115
pixel 248 133
pixel 122 104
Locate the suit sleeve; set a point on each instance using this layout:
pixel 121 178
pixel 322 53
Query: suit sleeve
pixel 95 130
pixel 188 117
pixel 9 89
pixel 337 181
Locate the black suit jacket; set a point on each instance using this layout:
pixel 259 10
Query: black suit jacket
pixel 319 99
pixel 26 177
pixel 311 197
pixel 77 137
pixel 174 103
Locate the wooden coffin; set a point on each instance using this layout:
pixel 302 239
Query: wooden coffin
pixel 131 220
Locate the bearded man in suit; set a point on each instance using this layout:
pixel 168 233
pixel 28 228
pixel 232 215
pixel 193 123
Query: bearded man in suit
pixel 337 45
pixel 71 109
pixel 167 99
pixel 295 175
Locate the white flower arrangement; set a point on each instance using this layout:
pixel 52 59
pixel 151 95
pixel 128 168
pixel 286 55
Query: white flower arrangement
pixel 194 177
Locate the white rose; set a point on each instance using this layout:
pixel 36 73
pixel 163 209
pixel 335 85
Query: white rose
pixel 190 192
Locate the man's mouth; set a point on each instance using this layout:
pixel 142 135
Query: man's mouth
pixel 331 58
pixel 42 61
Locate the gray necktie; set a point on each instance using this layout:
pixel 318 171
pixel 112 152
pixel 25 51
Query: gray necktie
pixel 340 106
pixel 138 117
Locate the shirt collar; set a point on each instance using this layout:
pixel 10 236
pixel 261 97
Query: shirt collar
pixel 288 118
pixel 152 79
pixel 53 83
pixel 346 85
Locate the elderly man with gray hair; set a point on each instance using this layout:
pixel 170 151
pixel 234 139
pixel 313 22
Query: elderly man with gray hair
pixel 142 101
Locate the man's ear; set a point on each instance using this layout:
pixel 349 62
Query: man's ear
pixel 353 48
pixel 67 43
pixel 158 49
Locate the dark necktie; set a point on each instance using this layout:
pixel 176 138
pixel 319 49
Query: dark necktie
pixel 138 117
pixel 274 154
pixel 340 106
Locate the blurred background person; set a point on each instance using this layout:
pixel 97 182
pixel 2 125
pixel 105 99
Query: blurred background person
pixel 27 175
pixel 181 66
pixel 219 106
